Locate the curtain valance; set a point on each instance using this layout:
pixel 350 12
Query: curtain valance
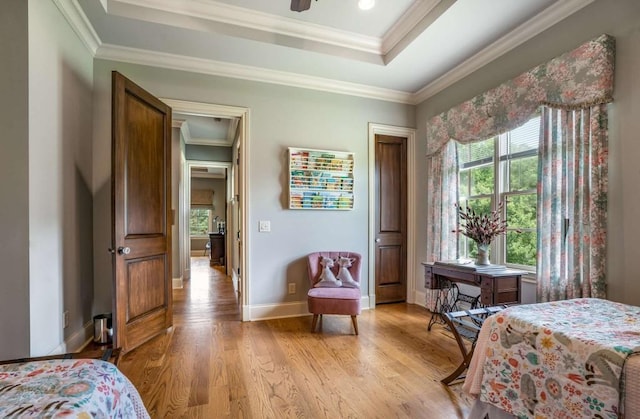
pixel 576 79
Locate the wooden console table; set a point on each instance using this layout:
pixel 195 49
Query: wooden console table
pixel 216 256
pixel 500 287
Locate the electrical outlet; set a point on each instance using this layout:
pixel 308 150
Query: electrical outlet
pixel 65 319
pixel 264 226
pixel 292 287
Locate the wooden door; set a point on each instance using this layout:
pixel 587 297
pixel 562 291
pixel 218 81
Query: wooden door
pixel 141 213
pixel 391 218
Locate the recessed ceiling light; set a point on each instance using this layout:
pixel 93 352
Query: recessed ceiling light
pixel 366 4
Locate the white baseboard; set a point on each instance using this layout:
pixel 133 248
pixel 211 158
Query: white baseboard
pixel 80 339
pixel 60 349
pixel 280 311
pixel 246 313
pixel 235 280
pixel 177 283
pixel 420 298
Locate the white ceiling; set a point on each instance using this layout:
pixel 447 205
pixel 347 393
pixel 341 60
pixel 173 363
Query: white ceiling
pixel 206 172
pixel 206 130
pixel 401 50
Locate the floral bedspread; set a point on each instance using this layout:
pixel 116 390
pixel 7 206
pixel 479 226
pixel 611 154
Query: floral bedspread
pixel 562 359
pixel 74 388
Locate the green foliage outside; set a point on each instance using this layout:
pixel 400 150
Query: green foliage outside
pixel 199 222
pixel 477 189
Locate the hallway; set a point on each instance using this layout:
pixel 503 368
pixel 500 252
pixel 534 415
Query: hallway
pixel 207 296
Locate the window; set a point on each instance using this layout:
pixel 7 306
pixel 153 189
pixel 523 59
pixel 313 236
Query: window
pixel 482 184
pixel 200 222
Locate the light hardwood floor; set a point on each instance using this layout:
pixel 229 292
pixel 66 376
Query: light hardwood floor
pixel 211 365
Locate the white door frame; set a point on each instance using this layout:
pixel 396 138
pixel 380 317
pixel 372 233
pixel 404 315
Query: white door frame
pixel 213 110
pixel 410 134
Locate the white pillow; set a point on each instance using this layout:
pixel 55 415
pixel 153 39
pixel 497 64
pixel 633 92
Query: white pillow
pixel 344 275
pixel 327 278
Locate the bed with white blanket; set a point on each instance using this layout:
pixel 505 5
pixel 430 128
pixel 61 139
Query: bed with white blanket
pixel 74 388
pixel 565 359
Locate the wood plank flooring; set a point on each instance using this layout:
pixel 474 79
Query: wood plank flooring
pixel 211 365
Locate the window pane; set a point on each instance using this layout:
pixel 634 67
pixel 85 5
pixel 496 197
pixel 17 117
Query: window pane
pixel 467 247
pixel 521 248
pixel 521 211
pixel 471 249
pixel 475 151
pixel 199 222
pixel 525 137
pixel 480 205
pixel 482 182
pixel 523 174
pixel 464 184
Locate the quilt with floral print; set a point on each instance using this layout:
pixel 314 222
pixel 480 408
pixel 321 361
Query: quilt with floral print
pixel 562 359
pixel 74 388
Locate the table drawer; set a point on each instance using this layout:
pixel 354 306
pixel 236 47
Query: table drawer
pixel 486 283
pixel 430 281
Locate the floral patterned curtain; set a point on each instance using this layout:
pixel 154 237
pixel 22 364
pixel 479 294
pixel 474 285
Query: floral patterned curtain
pixel 572 203
pixel 441 195
pixel 578 79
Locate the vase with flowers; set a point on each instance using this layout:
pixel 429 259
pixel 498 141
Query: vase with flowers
pixel 482 229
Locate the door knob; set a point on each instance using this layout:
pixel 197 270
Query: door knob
pixel 124 250
pixel 378 240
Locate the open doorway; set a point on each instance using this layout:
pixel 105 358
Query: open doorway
pixel 210 190
pixel 206 159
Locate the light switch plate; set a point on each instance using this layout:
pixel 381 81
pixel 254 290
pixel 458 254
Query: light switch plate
pixel 264 226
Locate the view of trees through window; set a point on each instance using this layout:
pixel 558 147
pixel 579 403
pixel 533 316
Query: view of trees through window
pixel 199 222
pixel 482 184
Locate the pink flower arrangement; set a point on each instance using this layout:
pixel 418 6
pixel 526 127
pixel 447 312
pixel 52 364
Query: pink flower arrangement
pixel 481 228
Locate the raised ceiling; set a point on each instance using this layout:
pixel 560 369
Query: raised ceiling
pixel 401 50
pixel 206 130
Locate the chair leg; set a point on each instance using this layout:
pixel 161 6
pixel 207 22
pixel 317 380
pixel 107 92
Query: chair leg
pixel 314 322
pixel 354 320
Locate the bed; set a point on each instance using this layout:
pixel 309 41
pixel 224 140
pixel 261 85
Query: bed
pixel 78 388
pixel 565 359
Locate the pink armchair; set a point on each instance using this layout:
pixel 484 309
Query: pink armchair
pixel 341 300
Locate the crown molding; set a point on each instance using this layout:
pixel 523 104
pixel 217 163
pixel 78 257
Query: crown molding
pixel 210 142
pixel 183 126
pixel 231 131
pixel 542 21
pixel 253 19
pixel 238 71
pixel 205 109
pixel 185 132
pixel 409 20
pixel 80 24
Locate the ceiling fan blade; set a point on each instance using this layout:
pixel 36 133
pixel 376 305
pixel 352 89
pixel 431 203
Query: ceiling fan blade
pixel 300 5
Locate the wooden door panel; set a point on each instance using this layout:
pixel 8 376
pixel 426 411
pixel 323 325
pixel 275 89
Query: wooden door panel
pixel 141 207
pixel 145 155
pixel 146 279
pixel 391 218
pixel 390 257
pixel 390 189
pixel 139 332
